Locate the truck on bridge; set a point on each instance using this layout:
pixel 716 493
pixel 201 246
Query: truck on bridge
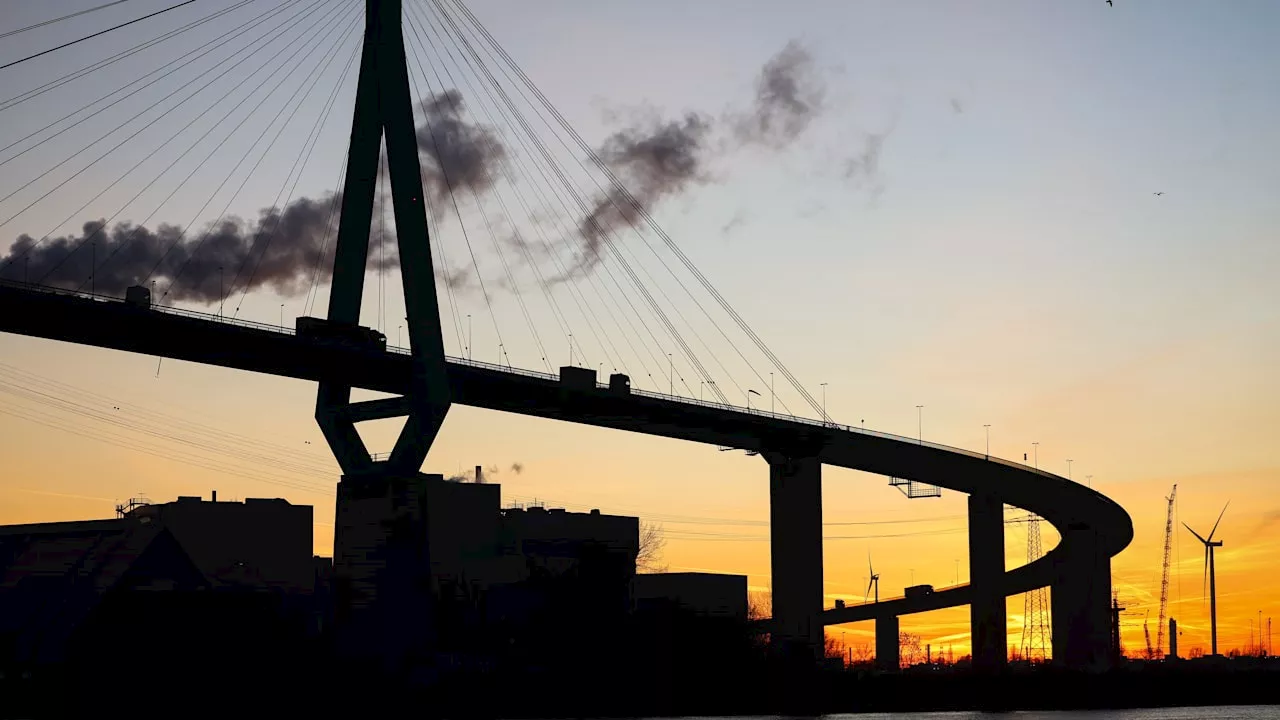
pixel 343 334
pixel 578 378
pixel 915 592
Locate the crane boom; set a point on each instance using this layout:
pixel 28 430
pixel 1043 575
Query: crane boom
pixel 1164 574
pixel 1147 634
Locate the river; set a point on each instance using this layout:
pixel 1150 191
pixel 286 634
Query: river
pixel 1234 712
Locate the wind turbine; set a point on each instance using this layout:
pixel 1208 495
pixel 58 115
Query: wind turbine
pixel 1209 545
pixel 874 581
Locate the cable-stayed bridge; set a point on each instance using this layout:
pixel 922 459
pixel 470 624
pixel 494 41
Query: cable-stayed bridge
pixel 572 219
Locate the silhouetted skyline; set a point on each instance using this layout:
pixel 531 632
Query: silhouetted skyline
pixel 1084 333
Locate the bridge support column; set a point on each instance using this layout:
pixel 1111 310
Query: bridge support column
pixel 887 657
pixel 795 544
pixel 383 590
pixel 1079 600
pixel 986 569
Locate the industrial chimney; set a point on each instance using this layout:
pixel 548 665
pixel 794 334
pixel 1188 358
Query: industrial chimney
pixel 1173 639
pixel 479 475
pixel 215 496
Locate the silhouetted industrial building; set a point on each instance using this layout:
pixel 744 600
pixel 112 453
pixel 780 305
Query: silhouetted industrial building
pixel 54 577
pixel 258 543
pixel 709 594
pixel 555 541
pixel 159 566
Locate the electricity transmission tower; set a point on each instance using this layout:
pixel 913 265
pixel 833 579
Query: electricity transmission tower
pixel 1036 635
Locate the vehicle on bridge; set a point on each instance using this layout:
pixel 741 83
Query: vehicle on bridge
pixel 917 591
pixel 138 296
pixel 347 335
pixel 619 384
pixel 578 378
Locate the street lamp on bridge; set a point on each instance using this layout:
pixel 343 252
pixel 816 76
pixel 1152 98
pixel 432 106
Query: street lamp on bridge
pixel 750 392
pixel 988 427
pixel 920 424
pixel 824 403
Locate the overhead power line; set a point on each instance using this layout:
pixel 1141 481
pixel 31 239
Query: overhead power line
pixel 94 35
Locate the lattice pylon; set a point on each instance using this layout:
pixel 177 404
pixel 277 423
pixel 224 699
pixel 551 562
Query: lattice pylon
pixel 1037 637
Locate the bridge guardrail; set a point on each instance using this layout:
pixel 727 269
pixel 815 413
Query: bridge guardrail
pixel 32 287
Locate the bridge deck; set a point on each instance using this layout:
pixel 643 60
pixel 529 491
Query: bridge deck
pixel 207 339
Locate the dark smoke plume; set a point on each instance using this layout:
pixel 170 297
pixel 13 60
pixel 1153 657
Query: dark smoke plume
pixel 789 95
pixel 655 160
pixel 284 245
pixel 458 154
pixel 517 468
pixel 653 163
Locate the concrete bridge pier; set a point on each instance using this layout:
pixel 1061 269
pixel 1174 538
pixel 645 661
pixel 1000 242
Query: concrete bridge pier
pixel 1079 600
pixel 795 545
pixel 383 594
pixel 986 569
pixel 887 650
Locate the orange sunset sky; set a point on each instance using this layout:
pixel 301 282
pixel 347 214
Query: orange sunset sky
pixel 999 257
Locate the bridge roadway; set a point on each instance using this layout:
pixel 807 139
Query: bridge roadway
pixel 1090 524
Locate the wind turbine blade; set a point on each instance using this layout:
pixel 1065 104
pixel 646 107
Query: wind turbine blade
pixel 869 570
pixel 1193 532
pixel 867 595
pixel 1215 525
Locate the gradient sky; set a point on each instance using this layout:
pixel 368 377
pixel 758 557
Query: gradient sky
pixel 1008 263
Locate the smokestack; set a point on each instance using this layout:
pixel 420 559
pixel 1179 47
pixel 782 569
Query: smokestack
pixel 479 475
pixel 1173 639
pixel 215 496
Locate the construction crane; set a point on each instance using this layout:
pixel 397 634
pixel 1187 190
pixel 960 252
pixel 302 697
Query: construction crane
pixel 1164 576
pixel 1146 632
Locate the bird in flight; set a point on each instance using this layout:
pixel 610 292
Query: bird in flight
pixel 1158 194
pixel 1109 3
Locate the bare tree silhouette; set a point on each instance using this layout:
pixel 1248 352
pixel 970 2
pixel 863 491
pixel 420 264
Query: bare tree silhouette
pixel 652 544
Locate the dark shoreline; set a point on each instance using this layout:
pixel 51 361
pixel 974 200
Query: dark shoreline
pixel 489 695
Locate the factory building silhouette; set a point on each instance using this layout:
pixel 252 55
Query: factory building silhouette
pixel 208 585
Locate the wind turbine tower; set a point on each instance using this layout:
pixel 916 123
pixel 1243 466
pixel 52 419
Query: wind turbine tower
pixel 874 580
pixel 1209 545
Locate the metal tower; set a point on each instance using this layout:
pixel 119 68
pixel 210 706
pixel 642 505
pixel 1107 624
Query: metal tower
pixel 1037 637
